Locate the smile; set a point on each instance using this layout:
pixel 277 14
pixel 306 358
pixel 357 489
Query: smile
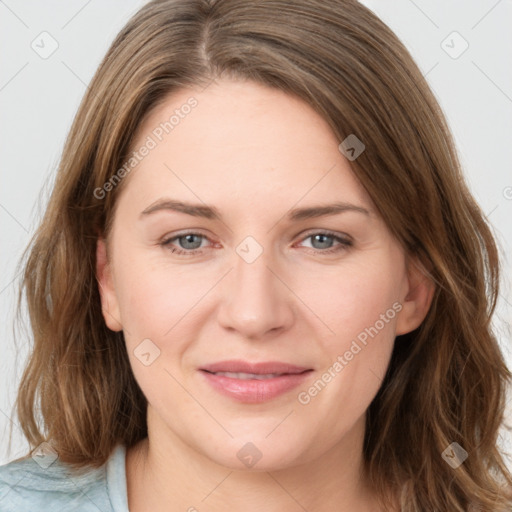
pixel 253 382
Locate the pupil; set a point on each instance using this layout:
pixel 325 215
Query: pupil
pixel 188 240
pixel 325 237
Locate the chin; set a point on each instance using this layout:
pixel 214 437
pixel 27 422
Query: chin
pixel 258 455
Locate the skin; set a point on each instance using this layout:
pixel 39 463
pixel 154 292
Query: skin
pixel 254 153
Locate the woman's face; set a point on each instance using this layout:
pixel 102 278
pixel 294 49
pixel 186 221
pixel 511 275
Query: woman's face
pixel 221 267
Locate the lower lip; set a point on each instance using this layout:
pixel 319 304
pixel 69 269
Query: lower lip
pixel 252 390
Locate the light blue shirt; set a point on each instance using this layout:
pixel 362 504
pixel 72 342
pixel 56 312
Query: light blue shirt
pixel 26 486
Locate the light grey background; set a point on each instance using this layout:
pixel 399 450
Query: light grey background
pixel 39 98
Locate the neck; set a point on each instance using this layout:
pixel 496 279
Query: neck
pixel 164 474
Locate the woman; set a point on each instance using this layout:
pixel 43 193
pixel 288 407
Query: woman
pixel 196 346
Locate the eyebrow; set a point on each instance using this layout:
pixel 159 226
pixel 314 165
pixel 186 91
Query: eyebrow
pixel 210 212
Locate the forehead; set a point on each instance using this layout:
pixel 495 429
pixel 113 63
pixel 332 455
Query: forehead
pixel 240 140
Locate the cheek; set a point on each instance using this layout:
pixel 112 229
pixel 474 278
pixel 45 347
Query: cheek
pixel 353 300
pixel 364 317
pixel 153 295
pixel 156 306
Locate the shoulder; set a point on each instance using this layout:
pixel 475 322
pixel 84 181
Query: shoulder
pixel 27 485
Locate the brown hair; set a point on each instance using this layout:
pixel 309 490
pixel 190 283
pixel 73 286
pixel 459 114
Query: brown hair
pixel 446 380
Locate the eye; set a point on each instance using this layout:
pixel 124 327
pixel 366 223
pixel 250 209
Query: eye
pixel 322 242
pixel 190 243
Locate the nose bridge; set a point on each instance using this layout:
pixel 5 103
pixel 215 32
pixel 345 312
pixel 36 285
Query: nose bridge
pixel 255 300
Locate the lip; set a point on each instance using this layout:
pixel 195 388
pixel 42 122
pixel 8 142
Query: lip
pixel 252 390
pixel 261 368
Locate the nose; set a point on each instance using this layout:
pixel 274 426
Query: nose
pixel 255 299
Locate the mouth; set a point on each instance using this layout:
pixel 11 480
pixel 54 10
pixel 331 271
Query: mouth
pixel 254 382
pixel 248 376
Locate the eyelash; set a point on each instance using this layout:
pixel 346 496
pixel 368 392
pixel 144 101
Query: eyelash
pixel 343 243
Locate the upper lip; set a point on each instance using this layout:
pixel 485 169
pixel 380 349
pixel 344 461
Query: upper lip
pixel 261 368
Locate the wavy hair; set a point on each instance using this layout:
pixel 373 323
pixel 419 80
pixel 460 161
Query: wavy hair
pixel 446 381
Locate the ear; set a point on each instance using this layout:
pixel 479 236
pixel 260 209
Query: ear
pixel 109 303
pixel 418 297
